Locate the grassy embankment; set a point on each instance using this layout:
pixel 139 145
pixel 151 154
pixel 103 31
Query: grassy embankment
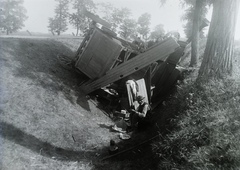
pixel 206 130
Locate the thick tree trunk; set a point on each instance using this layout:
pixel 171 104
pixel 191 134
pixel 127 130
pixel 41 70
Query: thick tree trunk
pixel 217 61
pixel 195 33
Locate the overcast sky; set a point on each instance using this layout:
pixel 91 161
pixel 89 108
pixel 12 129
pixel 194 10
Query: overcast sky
pixel 39 11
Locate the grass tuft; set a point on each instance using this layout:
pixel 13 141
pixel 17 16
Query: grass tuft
pixel 206 128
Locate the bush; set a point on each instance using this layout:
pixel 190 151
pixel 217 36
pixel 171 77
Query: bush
pixel 206 131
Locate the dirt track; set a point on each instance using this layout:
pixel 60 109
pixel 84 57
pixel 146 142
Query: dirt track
pixel 46 122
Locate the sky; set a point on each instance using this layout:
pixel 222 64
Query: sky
pixel 39 11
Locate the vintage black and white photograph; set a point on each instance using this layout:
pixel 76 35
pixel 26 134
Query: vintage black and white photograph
pixel 119 85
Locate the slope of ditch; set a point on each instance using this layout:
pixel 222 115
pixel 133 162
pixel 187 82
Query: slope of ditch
pixel 46 121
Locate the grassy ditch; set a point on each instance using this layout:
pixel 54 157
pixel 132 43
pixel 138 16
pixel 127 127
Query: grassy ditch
pixel 206 129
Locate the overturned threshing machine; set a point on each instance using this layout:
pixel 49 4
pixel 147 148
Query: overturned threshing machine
pixel 117 69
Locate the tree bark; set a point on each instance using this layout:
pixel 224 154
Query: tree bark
pixel 77 30
pixel 217 60
pixel 195 33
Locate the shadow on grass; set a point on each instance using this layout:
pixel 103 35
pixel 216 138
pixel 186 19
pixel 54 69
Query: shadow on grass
pixel 29 141
pixel 136 158
pixel 38 61
pixel 109 127
pixel 46 149
pixel 133 154
pixel 138 150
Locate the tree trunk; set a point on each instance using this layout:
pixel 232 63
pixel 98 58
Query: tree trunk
pixel 52 32
pixel 195 33
pixel 217 61
pixel 77 31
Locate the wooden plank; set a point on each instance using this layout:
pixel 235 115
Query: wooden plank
pixel 97 19
pixel 159 52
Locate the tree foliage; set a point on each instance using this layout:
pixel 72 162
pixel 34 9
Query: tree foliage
pixel 78 18
pixel 58 24
pixel 118 18
pixel 107 10
pixel 158 32
pixel 143 25
pixel 127 28
pixel 194 16
pixel 188 17
pixel 12 15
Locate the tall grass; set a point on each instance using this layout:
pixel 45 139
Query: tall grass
pixel 206 131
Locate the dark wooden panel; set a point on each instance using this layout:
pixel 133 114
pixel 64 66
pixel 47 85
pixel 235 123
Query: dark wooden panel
pixel 176 56
pixel 166 72
pixel 147 78
pixel 159 52
pixel 158 73
pixel 165 88
pixel 99 55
